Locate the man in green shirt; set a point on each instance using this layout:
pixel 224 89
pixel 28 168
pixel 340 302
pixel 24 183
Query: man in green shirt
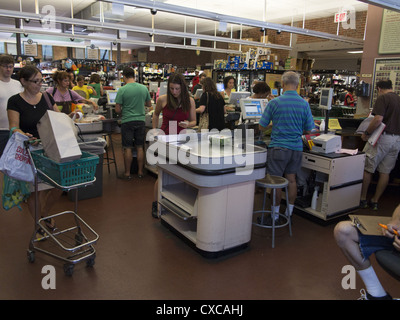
pixel 130 102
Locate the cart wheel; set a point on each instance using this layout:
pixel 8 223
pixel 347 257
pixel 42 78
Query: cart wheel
pixel 68 269
pixel 90 262
pixel 31 256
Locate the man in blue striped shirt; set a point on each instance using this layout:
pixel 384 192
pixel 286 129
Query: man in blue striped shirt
pixel 291 118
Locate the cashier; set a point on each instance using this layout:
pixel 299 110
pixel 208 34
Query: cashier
pixel 291 117
pixel 261 91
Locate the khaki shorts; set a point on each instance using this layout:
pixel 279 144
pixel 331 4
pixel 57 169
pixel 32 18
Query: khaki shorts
pixel 383 155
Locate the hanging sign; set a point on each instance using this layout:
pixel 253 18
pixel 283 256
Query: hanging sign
pixel 30 48
pixel 92 52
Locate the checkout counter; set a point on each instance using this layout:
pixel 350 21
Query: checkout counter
pixel 206 191
pixel 337 177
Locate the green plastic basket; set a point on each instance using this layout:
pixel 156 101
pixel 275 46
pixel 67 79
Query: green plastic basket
pixel 68 173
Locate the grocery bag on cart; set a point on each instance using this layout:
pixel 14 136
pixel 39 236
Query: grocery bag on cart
pixel 14 193
pixel 15 161
pixel 58 138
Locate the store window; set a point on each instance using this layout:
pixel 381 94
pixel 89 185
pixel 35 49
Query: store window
pixel 47 53
pixel 104 54
pixel 12 49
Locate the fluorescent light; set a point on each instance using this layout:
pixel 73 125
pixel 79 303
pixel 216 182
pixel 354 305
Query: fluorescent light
pixel 355 51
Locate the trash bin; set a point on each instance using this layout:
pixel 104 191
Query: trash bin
pixel 95 146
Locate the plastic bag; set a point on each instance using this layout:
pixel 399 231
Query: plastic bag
pixel 14 193
pixel 15 161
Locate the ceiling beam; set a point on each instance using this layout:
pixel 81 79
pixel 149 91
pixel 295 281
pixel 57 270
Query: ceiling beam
pixel 186 11
pixel 116 41
pixel 162 32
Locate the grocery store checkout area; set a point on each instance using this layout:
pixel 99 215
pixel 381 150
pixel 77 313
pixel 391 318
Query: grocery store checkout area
pixel 330 180
pixel 206 185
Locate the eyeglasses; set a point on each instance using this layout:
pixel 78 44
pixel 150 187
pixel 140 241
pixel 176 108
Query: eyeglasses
pixel 7 66
pixel 38 81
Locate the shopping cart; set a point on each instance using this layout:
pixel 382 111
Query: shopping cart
pixel 73 241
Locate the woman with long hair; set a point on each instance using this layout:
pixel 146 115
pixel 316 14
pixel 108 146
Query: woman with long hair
pixel 177 107
pixel 212 103
pixel 179 112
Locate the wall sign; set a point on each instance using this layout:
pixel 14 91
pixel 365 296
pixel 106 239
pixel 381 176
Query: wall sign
pixel 389 41
pixel 30 48
pixel 385 69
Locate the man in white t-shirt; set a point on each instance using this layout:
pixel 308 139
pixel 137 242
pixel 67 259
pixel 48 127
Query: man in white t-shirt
pixel 8 88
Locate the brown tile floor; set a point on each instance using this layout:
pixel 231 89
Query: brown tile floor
pixel 137 258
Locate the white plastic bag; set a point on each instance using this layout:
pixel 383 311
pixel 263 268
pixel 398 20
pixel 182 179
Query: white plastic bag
pixel 15 161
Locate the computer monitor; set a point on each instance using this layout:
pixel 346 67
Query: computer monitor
pixel 111 95
pixel 198 93
pixel 252 109
pixel 274 92
pixel 163 88
pixel 235 97
pixel 325 100
pixel 153 86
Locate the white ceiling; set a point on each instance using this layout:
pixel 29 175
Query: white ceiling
pixel 274 11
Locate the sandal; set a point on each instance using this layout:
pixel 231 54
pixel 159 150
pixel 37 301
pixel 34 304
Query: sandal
pixel 124 177
pixel 50 224
pixel 41 235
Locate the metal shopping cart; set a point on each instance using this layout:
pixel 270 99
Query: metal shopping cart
pixel 73 241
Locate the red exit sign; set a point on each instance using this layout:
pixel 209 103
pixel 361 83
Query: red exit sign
pixel 341 17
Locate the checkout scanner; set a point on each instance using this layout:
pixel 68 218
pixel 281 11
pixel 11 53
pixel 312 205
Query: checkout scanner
pixel 327 143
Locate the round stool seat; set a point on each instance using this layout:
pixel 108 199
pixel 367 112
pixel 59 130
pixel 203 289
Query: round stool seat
pixel 272 182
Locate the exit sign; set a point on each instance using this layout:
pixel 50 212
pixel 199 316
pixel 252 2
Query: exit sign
pixel 341 17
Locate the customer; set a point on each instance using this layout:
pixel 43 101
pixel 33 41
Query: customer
pixel 358 248
pixel 212 104
pixel 196 80
pixel 261 91
pixel 179 113
pixel 84 90
pixel 8 88
pixel 24 112
pixel 349 99
pixel 384 154
pixel 291 117
pixel 198 85
pixel 65 97
pixel 130 102
pixel 95 82
pixel 229 87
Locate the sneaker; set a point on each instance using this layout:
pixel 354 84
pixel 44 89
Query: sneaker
pixel 154 210
pixel 366 296
pixel 363 204
pixel 374 205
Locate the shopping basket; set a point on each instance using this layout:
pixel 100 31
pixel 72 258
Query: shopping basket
pixel 68 173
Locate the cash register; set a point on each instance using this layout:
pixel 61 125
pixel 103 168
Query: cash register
pixel 327 143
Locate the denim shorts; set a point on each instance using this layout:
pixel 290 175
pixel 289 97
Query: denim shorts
pixel 282 160
pixel 132 134
pixel 371 244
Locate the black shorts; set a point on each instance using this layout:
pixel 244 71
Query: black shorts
pixel 132 133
